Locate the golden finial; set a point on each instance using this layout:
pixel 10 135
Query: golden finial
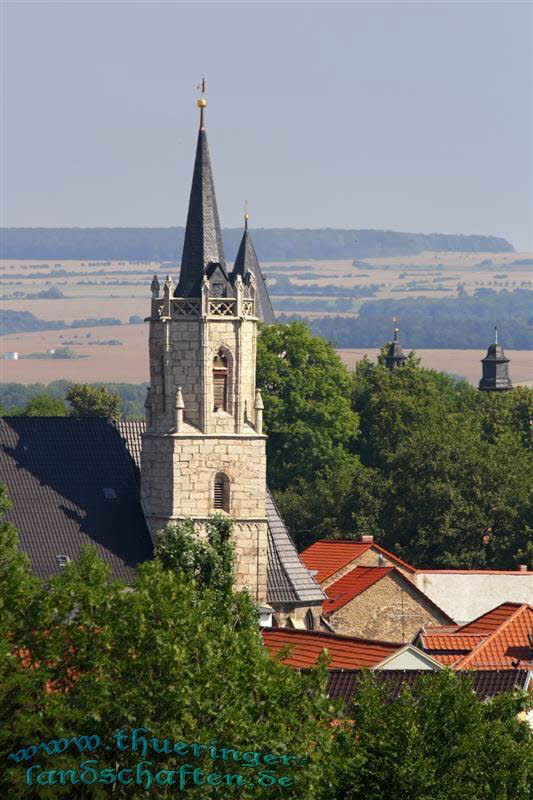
pixel 246 215
pixel 201 102
pixel 396 329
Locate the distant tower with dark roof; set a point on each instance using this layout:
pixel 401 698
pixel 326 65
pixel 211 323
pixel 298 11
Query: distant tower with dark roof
pixel 204 448
pixel 395 356
pixel 495 365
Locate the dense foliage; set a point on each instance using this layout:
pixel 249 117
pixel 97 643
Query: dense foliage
pixel 92 401
pixel 17 398
pixel 179 654
pixel 436 470
pixel 458 322
pixel 155 244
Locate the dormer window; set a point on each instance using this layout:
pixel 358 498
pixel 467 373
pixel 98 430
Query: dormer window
pixel 220 382
pixel 218 290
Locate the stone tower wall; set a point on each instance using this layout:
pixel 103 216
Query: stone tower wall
pixel 181 457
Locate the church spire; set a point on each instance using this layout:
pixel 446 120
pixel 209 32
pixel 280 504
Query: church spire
pixel 202 246
pixel 246 264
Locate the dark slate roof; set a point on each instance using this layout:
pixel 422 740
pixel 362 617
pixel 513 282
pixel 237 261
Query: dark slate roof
pixel 486 683
pixel 288 580
pixel 56 470
pixel 246 261
pixel 203 239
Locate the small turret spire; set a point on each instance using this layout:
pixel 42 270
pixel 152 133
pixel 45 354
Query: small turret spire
pixel 246 265
pixel 495 334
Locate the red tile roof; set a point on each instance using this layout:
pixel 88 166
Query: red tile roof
pixel 490 620
pixel 344 651
pixel 508 646
pixel 351 585
pixel 498 639
pixel 328 556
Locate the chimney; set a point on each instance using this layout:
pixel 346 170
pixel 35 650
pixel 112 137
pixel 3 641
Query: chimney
pixel 522 568
pixel 367 538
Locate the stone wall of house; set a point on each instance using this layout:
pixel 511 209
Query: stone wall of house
pixel 391 610
pixel 370 558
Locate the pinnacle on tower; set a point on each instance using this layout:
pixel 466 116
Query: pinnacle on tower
pixel 202 247
pixel 246 263
pixel 495 366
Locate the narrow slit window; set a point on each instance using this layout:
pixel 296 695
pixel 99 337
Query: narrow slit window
pixel 220 382
pixel 221 493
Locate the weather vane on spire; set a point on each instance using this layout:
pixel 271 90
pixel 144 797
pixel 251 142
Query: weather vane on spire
pixel 201 102
pixel 246 215
pixel 396 329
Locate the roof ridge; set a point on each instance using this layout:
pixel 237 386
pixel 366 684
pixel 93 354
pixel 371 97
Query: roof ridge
pixel 490 611
pixel 337 636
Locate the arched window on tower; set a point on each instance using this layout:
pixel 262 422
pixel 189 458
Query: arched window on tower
pixel 220 382
pixel 309 620
pixel 221 492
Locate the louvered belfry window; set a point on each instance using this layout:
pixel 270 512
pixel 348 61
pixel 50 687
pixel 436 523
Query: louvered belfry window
pixel 220 382
pixel 221 494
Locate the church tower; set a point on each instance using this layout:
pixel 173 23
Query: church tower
pixel 203 450
pixel 495 369
pixel 395 356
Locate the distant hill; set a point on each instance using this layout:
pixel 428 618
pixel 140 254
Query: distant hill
pixel 272 244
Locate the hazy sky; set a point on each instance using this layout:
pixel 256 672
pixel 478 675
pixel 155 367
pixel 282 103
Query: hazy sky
pixel 410 116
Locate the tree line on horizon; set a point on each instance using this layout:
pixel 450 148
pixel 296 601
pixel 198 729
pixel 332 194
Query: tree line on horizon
pixel 166 244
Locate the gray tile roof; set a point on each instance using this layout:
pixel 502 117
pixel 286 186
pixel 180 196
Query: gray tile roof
pixel 203 238
pixel 288 580
pixel 286 574
pixel 56 470
pixel 246 261
pixel 485 683
pixel 59 472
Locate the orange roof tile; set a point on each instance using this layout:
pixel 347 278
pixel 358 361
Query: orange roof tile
pixel 328 556
pixel 499 639
pixel 506 647
pixel 490 620
pixel 344 651
pixel 351 585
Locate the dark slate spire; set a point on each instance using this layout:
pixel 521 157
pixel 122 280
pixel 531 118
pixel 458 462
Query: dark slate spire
pixel 246 262
pixel 395 356
pixel 495 375
pixel 203 238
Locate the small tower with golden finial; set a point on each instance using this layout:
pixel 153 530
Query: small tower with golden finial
pixel 395 356
pixel 495 365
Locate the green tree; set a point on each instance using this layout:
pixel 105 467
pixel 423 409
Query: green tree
pixel 181 659
pixel 92 401
pixel 42 405
pixel 435 742
pixel 310 424
pixel 208 561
